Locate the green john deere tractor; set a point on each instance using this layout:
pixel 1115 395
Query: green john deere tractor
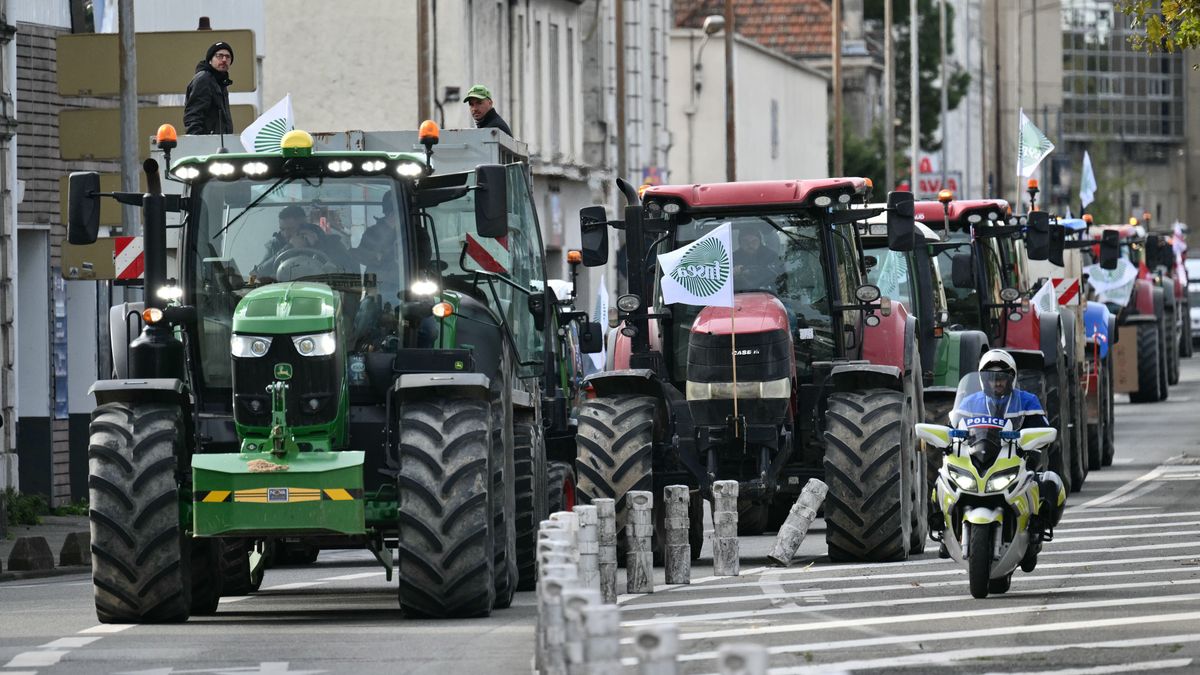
pixel 350 351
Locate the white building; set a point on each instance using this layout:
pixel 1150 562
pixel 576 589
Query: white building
pixel 781 113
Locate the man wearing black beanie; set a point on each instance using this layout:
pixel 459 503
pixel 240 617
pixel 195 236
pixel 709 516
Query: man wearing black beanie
pixel 206 107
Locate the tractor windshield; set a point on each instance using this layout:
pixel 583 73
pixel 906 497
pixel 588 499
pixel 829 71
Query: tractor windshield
pixel 345 232
pixel 776 253
pixel 889 270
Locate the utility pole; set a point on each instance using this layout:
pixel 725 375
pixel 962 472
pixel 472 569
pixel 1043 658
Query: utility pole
pixel 619 20
pixel 914 88
pixel 945 92
pixel 837 88
pixel 730 128
pixel 130 142
pixel 889 84
pixel 424 95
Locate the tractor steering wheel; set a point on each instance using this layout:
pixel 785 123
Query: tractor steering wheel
pixel 319 258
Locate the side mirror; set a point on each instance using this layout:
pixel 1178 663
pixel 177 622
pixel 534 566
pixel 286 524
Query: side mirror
pixel 936 435
pixel 1037 237
pixel 1110 249
pixel 591 338
pixel 83 207
pixel 537 307
pixel 593 235
pixel 1037 438
pixel 491 201
pixel 1058 236
pixel 961 274
pixel 900 225
pixel 870 261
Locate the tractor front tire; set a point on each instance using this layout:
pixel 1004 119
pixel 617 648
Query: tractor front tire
pixel 140 558
pixel 445 539
pixel 1148 366
pixel 529 450
pixel 867 509
pixel 616 434
pixel 560 487
pixel 1110 445
pixel 1060 455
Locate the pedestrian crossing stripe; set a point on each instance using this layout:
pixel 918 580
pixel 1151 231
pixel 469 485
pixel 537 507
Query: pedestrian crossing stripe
pixel 276 495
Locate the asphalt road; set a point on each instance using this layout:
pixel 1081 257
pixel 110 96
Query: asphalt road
pixel 1117 591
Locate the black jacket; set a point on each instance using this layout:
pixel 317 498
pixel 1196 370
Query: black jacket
pixel 493 119
pixel 206 108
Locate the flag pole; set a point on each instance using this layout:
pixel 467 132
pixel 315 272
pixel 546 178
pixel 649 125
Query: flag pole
pixel 733 359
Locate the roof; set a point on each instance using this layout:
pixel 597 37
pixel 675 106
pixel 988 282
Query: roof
pixel 795 27
pixel 753 193
pixel 933 212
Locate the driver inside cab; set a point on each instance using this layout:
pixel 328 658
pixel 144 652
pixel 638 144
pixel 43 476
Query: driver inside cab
pixel 756 262
pixel 326 254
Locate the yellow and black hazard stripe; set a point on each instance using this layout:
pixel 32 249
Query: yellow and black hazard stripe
pixel 277 495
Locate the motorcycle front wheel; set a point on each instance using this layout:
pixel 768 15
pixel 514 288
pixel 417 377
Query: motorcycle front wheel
pixel 979 558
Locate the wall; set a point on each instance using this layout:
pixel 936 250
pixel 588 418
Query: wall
pixel 792 142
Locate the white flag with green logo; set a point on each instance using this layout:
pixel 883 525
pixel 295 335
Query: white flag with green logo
pixel 264 134
pixel 700 273
pixel 1032 148
pixel 1087 182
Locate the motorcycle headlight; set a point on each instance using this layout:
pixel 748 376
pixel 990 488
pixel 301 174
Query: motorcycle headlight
pixel 964 480
pixel 317 344
pixel 249 346
pixel 1002 480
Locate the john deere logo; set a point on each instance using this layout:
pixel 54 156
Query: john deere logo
pixel 283 371
pixel 704 269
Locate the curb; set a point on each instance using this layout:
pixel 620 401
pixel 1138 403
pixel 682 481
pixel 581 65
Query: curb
pixel 40 574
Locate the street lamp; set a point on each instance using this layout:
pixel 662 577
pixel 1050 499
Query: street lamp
pixel 713 24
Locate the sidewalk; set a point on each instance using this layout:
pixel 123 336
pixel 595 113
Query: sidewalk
pixel 55 529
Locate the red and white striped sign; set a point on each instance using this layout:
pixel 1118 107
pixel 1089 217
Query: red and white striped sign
pixel 129 259
pixel 490 254
pixel 1067 291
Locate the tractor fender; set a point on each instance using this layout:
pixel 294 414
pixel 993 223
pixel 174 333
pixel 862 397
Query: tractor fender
pixel 1067 327
pixel 859 376
pixel 1170 299
pixel 889 342
pixel 124 320
pixel 972 345
pixel 1143 297
pixel 1097 326
pixel 140 391
pixel 1053 338
pixel 476 385
pixel 1025 333
pixel 671 404
pixel 1028 359
pixel 622 347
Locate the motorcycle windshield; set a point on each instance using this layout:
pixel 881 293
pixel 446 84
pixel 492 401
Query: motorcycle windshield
pixel 985 446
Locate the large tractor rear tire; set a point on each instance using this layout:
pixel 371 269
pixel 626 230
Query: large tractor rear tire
pixel 560 487
pixel 529 449
pixel 207 571
pixel 140 557
pixel 1172 345
pixel 918 479
pixel 1185 332
pixel 1079 466
pixel 753 518
pixel 868 507
pixel 1097 431
pixel 1060 456
pixel 235 567
pixel 1164 360
pixel 445 539
pixel 1148 365
pixel 1110 445
pixel 503 502
pixel 937 411
pixel 616 434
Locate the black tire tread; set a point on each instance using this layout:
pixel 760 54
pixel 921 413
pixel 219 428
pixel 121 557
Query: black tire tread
pixel 616 434
pixel 1147 365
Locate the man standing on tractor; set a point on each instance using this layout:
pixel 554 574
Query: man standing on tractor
pixel 206 106
pixel 483 110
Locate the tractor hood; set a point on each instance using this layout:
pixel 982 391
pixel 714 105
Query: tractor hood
pixel 287 308
pixel 753 313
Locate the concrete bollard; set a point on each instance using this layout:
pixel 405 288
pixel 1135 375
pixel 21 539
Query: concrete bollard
pixel 602 641
pixel 567 520
pixel 76 549
pixel 588 539
pixel 30 553
pixel 677 551
pixel 742 659
pixel 639 534
pixel 726 561
pixel 551 635
pixel 799 518
pixel 574 601
pixel 657 646
pixel 606 529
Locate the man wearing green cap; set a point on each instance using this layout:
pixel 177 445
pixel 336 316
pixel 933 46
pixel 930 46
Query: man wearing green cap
pixel 479 98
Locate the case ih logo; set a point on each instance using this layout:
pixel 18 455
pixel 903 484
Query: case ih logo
pixel 704 269
pixel 747 352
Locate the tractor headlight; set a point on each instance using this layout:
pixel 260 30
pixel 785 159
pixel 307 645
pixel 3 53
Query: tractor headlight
pixel 964 480
pixel 1002 480
pixel 249 346
pixel 317 344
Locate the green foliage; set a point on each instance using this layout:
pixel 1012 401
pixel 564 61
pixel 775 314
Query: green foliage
pixel 866 157
pixel 24 509
pixel 1173 25
pixel 929 64
pixel 79 508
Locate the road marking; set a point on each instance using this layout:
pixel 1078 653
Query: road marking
pixel 954 657
pixel 1117 668
pixel 69 643
pixel 107 628
pixel 36 659
pixel 293 586
pixel 974 634
pixel 232 599
pixel 1137 526
pixel 1136 516
pixel 367 575
pixel 1063 540
pixel 1034 594
pixel 911 585
pixel 1135 484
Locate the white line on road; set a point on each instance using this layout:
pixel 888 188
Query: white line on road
pixel 107 628
pixel 911 585
pixel 975 634
pixel 1159 522
pixel 36 659
pixel 293 586
pixel 1115 668
pixel 69 643
pixel 367 575
pixel 949 658
pixel 1111 498
pixel 1148 535
pixel 908 602
pixel 1134 516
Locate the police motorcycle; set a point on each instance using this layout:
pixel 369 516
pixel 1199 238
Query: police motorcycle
pixel 995 508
